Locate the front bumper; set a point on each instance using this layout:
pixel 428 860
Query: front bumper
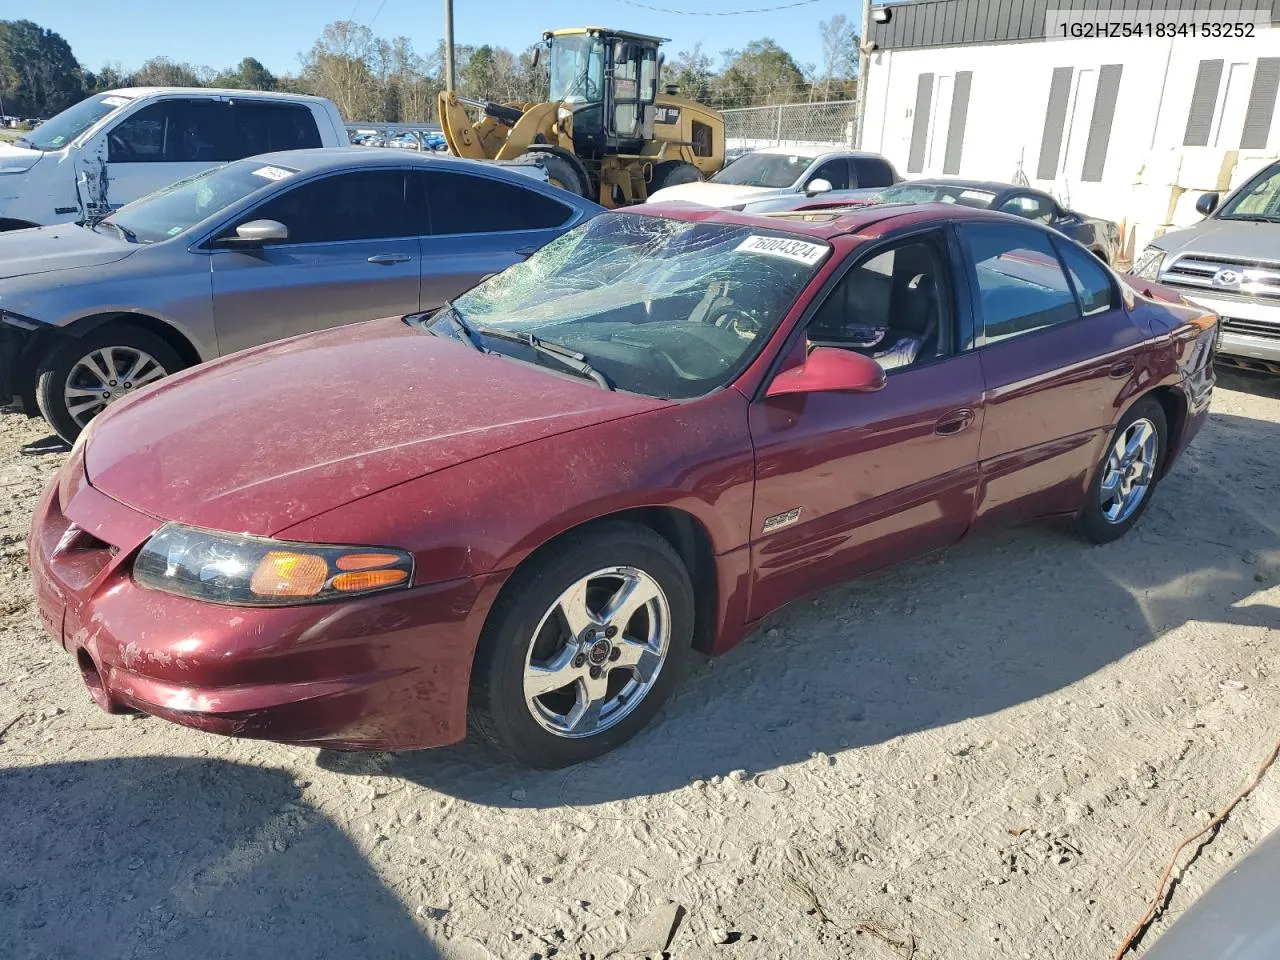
pixel 386 672
pixel 1250 328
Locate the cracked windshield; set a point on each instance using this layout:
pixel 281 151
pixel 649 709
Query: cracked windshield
pixel 665 307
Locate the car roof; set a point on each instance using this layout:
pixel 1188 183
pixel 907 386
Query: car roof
pixel 991 186
pixel 332 158
pixel 135 92
pixel 815 152
pixel 824 224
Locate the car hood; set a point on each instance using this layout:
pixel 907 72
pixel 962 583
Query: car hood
pixel 266 438
pixel 715 194
pixel 64 247
pixel 1236 239
pixel 13 157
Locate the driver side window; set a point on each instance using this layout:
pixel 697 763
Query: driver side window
pixel 894 307
pixel 836 172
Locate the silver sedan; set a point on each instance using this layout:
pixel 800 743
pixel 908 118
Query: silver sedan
pixel 254 251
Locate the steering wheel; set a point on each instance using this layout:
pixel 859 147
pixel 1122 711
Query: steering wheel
pixel 739 322
pixel 117 144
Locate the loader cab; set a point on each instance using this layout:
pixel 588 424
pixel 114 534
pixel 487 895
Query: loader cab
pixel 609 82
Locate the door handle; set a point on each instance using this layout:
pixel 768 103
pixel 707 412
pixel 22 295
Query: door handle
pixel 1121 370
pixel 953 422
pixel 389 258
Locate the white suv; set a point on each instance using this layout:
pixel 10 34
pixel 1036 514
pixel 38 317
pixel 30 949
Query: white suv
pixel 115 147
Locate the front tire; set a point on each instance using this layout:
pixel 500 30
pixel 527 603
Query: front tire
pixel 673 172
pixel 81 376
pixel 1125 479
pixel 583 646
pixel 561 171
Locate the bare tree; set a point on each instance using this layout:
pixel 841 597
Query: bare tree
pixel 839 57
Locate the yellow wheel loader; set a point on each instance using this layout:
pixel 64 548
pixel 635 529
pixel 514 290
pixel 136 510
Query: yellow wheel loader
pixel 605 131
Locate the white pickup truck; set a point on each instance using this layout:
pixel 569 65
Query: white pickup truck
pixel 115 147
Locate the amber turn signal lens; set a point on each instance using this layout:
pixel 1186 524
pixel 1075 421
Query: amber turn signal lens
pixel 368 580
pixel 284 574
pixel 363 561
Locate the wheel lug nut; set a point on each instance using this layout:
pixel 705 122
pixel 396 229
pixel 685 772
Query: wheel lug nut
pixel 615 653
pixel 128 385
pixel 611 631
pixel 106 394
pixel 111 383
pixel 580 659
pixel 595 673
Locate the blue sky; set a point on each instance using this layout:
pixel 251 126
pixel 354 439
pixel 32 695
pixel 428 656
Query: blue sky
pixel 218 34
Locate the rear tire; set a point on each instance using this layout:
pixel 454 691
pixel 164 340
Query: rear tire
pixel 72 372
pixel 529 638
pixel 1106 514
pixel 673 172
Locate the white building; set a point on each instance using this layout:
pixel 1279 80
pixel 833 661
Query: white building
pixel 1131 128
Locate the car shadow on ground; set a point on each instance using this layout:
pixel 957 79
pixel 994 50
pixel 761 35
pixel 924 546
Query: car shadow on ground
pixel 1257 384
pixel 193 858
pixel 994 622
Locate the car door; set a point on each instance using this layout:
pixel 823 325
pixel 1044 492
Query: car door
pixel 848 482
pixel 351 255
pixel 475 225
pixel 162 142
pixel 1058 352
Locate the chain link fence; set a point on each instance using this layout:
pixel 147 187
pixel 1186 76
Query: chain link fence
pixel 826 123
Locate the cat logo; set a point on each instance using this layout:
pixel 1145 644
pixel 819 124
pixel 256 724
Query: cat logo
pixel 668 115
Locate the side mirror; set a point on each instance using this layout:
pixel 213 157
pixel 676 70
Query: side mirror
pixel 817 186
pixel 537 55
pixel 1207 203
pixel 829 370
pixel 257 232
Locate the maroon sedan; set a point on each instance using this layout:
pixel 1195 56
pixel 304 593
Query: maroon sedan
pixel 523 511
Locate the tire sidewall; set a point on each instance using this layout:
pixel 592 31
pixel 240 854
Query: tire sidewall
pixel 510 628
pixel 1090 522
pixel 672 174
pixel 56 367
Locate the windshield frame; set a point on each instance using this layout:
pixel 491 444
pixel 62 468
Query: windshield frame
pixel 580 45
pixel 31 138
pixel 740 163
pixel 1228 208
pixel 701 387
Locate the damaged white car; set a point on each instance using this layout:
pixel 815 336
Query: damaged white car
pixel 112 148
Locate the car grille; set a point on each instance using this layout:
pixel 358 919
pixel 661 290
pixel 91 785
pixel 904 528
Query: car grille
pixel 1251 328
pixel 1230 277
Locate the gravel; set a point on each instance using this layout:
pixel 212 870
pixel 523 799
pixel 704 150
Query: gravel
pixel 1001 772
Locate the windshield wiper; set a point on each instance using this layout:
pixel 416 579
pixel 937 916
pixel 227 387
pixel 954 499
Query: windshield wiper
pixel 1253 217
pixel 125 232
pixel 24 142
pixel 571 359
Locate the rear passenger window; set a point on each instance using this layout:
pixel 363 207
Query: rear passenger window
pixel 465 203
pixel 871 172
pixel 259 127
pixel 1020 283
pixel 1089 277
pixel 367 205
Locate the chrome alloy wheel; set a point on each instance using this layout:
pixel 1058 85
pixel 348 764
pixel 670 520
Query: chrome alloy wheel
pixel 1129 471
pixel 104 376
pixel 597 652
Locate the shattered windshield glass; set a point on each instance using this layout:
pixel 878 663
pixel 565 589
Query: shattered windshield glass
pixel 664 307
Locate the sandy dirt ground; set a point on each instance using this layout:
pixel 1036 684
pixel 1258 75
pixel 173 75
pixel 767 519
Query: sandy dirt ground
pixel 990 752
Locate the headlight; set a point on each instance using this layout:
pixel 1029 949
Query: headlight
pixel 1148 265
pixel 257 572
